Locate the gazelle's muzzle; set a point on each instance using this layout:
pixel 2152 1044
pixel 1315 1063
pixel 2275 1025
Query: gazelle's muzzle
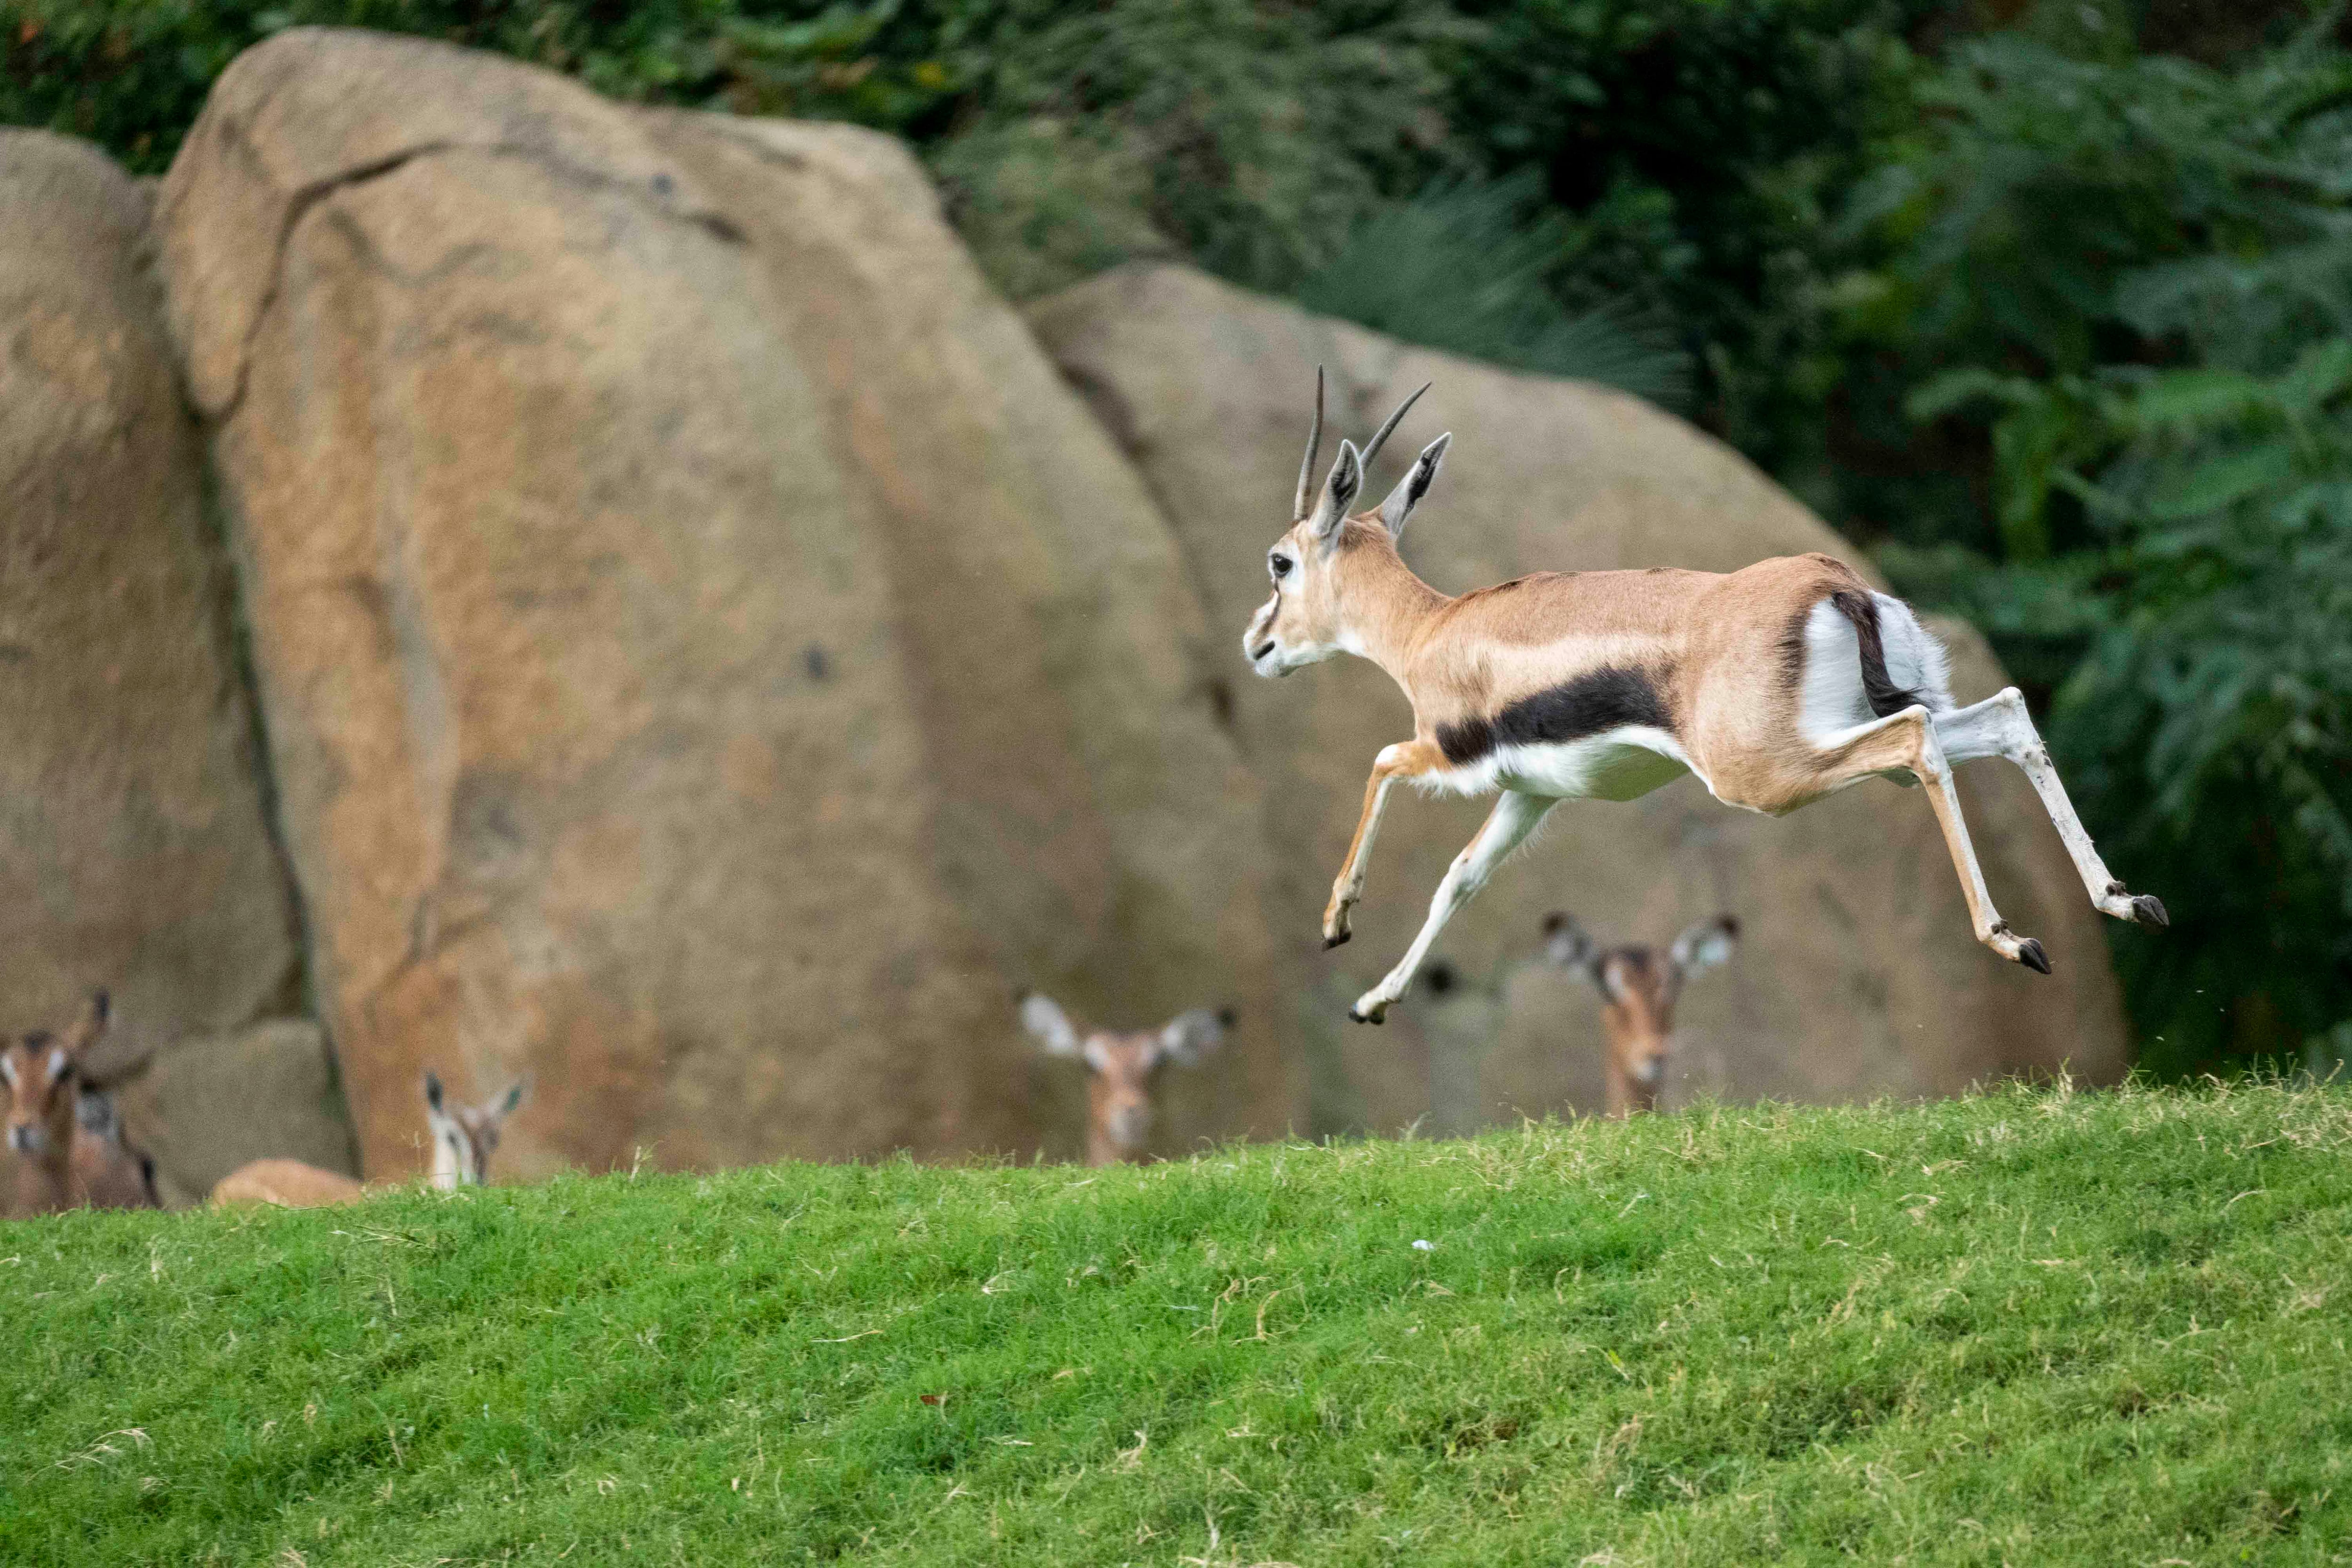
pixel 1260 646
pixel 28 1138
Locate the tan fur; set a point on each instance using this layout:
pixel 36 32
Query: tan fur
pixel 1119 1110
pixel 290 1184
pixel 1716 637
pixel 1638 1022
pixel 1123 1070
pixel 67 1166
pixel 1724 654
pixel 1639 986
pixel 464 1139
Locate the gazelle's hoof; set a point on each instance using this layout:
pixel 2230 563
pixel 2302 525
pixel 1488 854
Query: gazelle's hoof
pixel 1331 942
pixel 1367 1011
pixel 2147 910
pixel 2029 954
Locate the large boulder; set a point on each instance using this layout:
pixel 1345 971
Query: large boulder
pixel 1858 975
pixel 134 853
pixel 712 661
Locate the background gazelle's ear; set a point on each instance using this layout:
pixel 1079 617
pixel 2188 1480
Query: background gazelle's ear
pixel 1338 491
pixel 1413 486
pixel 506 1104
pixel 1705 945
pixel 1566 943
pixel 1049 1026
pixel 88 1028
pixel 1190 1036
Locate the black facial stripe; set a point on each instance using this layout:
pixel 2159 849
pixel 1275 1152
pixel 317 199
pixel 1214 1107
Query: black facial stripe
pixel 1599 700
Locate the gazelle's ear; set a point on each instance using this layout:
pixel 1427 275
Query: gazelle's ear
pixel 1413 486
pixel 1049 1026
pixel 1339 492
pixel 88 1028
pixel 1705 945
pixel 1191 1036
pixel 507 1103
pixel 1569 945
pixel 1566 943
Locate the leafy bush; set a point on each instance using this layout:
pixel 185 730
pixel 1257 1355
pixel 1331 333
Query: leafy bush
pixel 1466 268
pixel 1686 148
pixel 2135 282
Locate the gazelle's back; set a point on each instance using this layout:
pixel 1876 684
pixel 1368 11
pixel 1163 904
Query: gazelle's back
pixel 290 1184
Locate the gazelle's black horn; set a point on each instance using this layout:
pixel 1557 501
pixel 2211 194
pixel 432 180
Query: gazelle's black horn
pixel 1298 508
pixel 1372 447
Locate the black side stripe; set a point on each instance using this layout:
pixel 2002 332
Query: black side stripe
pixel 1599 700
pixel 1879 687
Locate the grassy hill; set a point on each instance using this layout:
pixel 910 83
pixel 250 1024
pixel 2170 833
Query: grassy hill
pixel 2023 1327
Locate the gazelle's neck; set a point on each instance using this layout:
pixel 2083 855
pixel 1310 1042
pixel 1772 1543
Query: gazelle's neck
pixel 447 1174
pixel 1384 609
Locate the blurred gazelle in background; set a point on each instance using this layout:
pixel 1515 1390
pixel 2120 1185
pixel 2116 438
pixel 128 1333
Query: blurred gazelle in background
pixel 1639 986
pixel 1122 1069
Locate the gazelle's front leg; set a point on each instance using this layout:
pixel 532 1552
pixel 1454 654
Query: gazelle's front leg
pixel 1404 760
pixel 1514 817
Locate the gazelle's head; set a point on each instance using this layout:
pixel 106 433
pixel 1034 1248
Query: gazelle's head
pixel 1120 1068
pixel 464 1136
pixel 41 1073
pixel 1639 986
pixel 1306 621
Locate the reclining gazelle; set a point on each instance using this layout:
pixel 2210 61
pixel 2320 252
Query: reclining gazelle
pixel 1776 684
pixel 463 1138
pixel 1122 1070
pixel 1639 986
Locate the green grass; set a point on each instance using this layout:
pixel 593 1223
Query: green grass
pixel 2026 1327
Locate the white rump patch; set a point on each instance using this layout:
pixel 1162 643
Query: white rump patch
pixel 1831 702
pixel 1914 658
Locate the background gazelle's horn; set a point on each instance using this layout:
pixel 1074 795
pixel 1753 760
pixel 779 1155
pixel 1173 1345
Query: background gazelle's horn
pixel 1314 448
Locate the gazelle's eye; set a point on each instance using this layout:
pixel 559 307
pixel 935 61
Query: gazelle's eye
pixel 1279 565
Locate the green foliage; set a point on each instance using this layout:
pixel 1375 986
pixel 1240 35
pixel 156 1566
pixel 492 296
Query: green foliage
pixel 1688 146
pixel 1467 268
pixel 2136 280
pixel 1698 148
pixel 2023 1327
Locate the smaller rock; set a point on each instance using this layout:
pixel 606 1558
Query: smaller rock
pixel 212 1104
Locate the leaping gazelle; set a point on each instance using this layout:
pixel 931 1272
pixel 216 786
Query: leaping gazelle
pixel 1776 684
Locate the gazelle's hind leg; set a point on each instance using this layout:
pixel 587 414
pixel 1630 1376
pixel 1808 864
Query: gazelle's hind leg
pixel 1508 825
pixel 1908 740
pixel 1999 726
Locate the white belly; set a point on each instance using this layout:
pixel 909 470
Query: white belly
pixel 1618 764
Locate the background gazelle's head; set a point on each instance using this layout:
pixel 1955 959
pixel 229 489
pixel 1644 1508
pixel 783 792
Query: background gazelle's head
pixel 1120 1068
pixel 1639 986
pixel 1310 617
pixel 41 1072
pixel 464 1136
